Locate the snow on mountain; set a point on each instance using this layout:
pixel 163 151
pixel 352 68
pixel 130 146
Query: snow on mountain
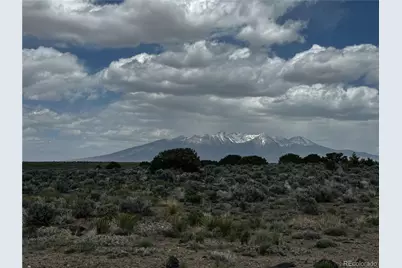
pixel 301 141
pixel 217 146
pixel 237 138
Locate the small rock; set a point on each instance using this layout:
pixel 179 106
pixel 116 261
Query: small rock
pixel 326 263
pixel 284 265
pixel 172 262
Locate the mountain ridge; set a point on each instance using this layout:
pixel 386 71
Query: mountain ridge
pixel 216 146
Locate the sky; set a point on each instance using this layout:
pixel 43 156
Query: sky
pixel 101 76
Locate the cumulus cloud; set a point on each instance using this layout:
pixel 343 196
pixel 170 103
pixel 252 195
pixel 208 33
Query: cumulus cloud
pixel 51 75
pixel 331 65
pixel 355 103
pixel 225 70
pixel 160 21
pixel 199 68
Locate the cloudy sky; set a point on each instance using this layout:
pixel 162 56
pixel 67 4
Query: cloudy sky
pixel 100 76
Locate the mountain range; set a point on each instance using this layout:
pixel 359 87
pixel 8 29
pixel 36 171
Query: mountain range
pixel 217 146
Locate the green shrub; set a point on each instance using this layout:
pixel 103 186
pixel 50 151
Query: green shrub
pixel 126 222
pixel 63 186
pixel 230 160
pixel 307 235
pixel 308 205
pixel 266 240
pixel 102 226
pixel 95 196
pixel 83 208
pixel 373 220
pixel 224 223
pixel 290 158
pixel 186 237
pixel 165 175
pixel 368 162
pixel 145 243
pixel 312 158
pixel 136 205
pixel 330 165
pixel 335 231
pixel 113 165
pixel 265 248
pixel 245 237
pixel 194 198
pixel 354 160
pixel 145 164
pixel 195 217
pixel 323 194
pixel 205 163
pixel 40 213
pixel 179 224
pixel 200 236
pixel 184 159
pixel 325 243
pixel 253 160
pixel 107 210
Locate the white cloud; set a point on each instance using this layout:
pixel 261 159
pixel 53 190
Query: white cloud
pixel 51 75
pixel 269 33
pixel 196 69
pixel 225 70
pixel 331 65
pixel 199 68
pixel 159 21
pixel 355 103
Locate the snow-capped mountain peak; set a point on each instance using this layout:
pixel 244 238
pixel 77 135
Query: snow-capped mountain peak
pixel 216 146
pixel 236 138
pixel 301 141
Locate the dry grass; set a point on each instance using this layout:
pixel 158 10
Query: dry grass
pixel 316 223
pixel 172 207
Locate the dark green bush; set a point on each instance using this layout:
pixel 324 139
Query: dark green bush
pixel 195 217
pixel 126 223
pixel 184 159
pixel 145 164
pixel 253 160
pixel 323 194
pixel 336 231
pixel 368 162
pixel 83 208
pixel 307 204
pixel 40 213
pixel 107 210
pixel 290 158
pixel 136 205
pixel 230 160
pixel 102 226
pixel 354 160
pixel 205 163
pixel 113 165
pixel 63 185
pixel 165 175
pixel 330 165
pixel 312 158
pixel 336 157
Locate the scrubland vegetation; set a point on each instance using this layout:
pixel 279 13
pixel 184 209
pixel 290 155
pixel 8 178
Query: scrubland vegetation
pixel 179 211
